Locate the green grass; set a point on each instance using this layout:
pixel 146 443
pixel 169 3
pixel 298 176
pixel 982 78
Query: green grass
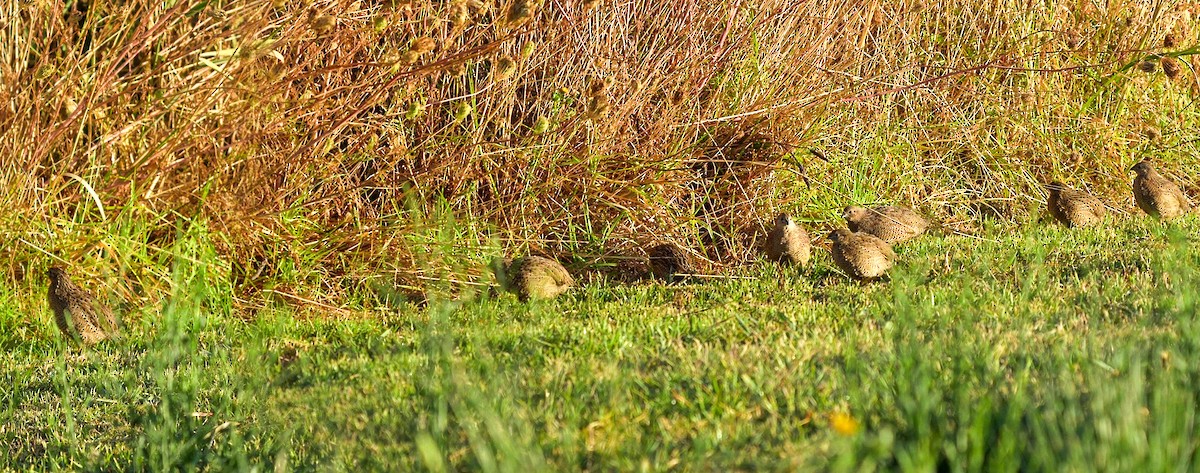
pixel 1032 348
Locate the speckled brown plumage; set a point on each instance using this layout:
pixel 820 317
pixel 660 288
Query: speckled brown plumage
pixel 1073 208
pixel 788 243
pixel 76 312
pixel 667 261
pixel 861 255
pixel 533 277
pixel 891 224
pixel 1156 195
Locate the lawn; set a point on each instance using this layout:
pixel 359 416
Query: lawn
pixel 1031 348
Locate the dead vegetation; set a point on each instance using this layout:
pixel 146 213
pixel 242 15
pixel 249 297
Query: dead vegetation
pixel 327 142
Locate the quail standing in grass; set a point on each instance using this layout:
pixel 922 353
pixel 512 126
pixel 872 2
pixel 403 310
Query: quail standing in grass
pixel 1073 208
pixel 668 261
pixel 788 243
pixel 533 277
pixel 891 224
pixel 1156 195
pixel 861 255
pixel 76 312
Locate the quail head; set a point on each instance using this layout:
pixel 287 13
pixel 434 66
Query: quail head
pixel 1073 208
pixel 788 243
pixel 892 224
pixel 668 262
pixel 533 277
pixel 76 313
pixel 1156 195
pixel 861 255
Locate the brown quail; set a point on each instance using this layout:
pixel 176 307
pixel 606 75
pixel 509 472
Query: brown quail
pixel 668 261
pixel 1156 195
pixel 1073 208
pixel 788 243
pixel 861 255
pixel 76 312
pixel 533 277
pixel 891 224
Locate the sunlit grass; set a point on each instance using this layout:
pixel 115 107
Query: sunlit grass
pixel 1034 348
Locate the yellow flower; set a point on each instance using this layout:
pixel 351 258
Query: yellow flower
pixel 844 423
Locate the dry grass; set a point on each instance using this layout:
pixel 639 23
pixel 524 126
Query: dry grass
pixel 328 142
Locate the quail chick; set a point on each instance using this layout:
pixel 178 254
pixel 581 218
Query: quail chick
pixel 667 261
pixel 76 312
pixel 788 243
pixel 533 277
pixel 891 224
pixel 1156 195
pixel 861 255
pixel 1073 208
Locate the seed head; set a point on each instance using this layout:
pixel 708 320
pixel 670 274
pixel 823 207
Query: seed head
pixel 598 106
pixel 423 45
pixel 1148 66
pixel 520 11
pixel 69 107
pixel 542 125
pixel 503 69
pixel 1169 40
pixel 462 111
pixel 418 48
pixel 460 14
pixel 1171 67
pixel 408 58
pixel 527 49
pixel 597 99
pixel 597 86
pixel 677 96
pixel 321 23
pixel 587 5
pixel 379 23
